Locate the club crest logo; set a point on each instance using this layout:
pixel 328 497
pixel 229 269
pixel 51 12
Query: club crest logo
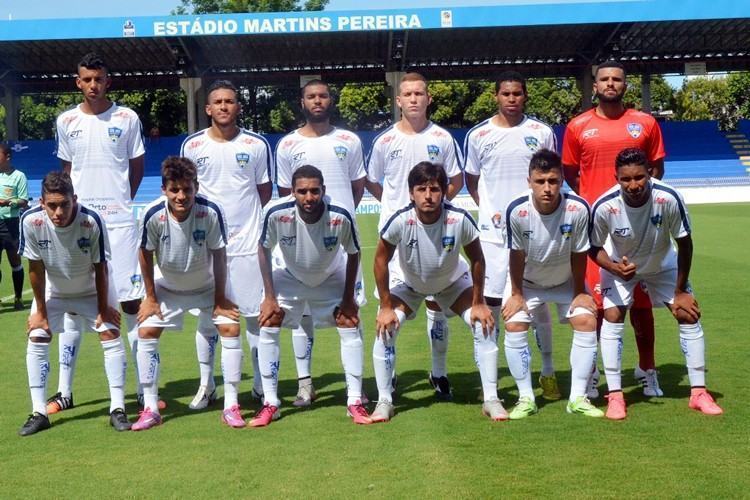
pixel 566 230
pixel 433 152
pixel 242 159
pixel 135 280
pixel 84 244
pixel 341 152
pixel 114 133
pixel 330 242
pixel 635 130
pixel 449 242
pixel 532 143
pixel 656 220
pixel 497 220
pixel 199 237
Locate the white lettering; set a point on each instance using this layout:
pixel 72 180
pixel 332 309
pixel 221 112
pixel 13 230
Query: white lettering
pixel 251 26
pixel 414 22
pixel 325 24
pixel 230 26
pixel 159 28
pixel 279 25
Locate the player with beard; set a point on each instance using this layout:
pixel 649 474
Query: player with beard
pixel 592 141
pixel 337 153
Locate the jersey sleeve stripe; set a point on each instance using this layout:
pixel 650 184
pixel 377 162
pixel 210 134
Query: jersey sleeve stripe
pixel 394 216
pixel 680 205
pixel 150 213
pixel 457 154
pixel 97 218
pixel 219 215
pixel 345 213
pixel 271 211
pixel 22 240
pixel 511 206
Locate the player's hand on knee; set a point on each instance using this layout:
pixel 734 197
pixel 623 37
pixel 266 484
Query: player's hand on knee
pixel 271 313
pixel 625 269
pixel 584 300
pixel 482 314
pixel 227 308
pixel 685 308
pixel 347 314
pixel 37 321
pixel 149 307
pixel 109 315
pixel 386 322
pixel 514 304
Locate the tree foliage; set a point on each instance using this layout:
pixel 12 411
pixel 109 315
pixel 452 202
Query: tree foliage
pixel 364 106
pixel 705 98
pixel 243 6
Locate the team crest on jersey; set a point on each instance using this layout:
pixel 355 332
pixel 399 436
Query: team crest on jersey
pixel 114 133
pixel 330 242
pixel 449 242
pixel 433 152
pixel 566 230
pixel 497 220
pixel 531 142
pixel 199 237
pixel 656 220
pixel 635 130
pixel 84 244
pixel 341 152
pixel 242 159
pixel 622 232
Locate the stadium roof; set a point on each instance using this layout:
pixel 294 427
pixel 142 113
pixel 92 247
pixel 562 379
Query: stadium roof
pixel 537 37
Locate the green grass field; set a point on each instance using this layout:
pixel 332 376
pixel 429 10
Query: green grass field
pixel 430 449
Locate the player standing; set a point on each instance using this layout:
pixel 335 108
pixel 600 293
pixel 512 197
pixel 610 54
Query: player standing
pixel 309 229
pixel 337 153
pixel 548 240
pixel 100 144
pixel 429 233
pixel 641 217
pixel 233 167
pixel 68 250
pixel 187 235
pixel 592 141
pixel 498 151
pixel 14 196
pixel 395 151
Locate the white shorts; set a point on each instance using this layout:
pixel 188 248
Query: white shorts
pixel 445 298
pixel 496 258
pixel 174 305
pixel 396 275
pixel 244 283
pixel 297 299
pixel 126 272
pixel 85 306
pixel 618 293
pixel 561 296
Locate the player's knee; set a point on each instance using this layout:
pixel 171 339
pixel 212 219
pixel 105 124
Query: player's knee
pixel 516 327
pixel 39 336
pixel 109 335
pixel 584 322
pixel 149 333
pixel 229 330
pixel 684 318
pixel 615 314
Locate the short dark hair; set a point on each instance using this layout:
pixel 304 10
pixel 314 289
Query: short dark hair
pixel 315 81
pixel 92 60
pixel 424 172
pixel 545 160
pixel 5 148
pixel 631 156
pixel 178 168
pixel 58 182
pixel 510 76
pixel 611 63
pixel 307 172
pixel 221 84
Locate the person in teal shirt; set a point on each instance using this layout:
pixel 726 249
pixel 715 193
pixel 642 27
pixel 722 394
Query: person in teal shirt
pixel 14 196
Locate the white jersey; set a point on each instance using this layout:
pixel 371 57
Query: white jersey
pixel 99 148
pixel 230 172
pixel 183 249
pixel 311 251
pixel 643 234
pixel 338 154
pixel 430 254
pixel 548 240
pixel 68 253
pixel 500 156
pixel 395 153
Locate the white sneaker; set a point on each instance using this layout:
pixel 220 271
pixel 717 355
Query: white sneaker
pixel 649 380
pixel 203 398
pixel 493 408
pixel 383 412
pixel 592 391
pixel 305 395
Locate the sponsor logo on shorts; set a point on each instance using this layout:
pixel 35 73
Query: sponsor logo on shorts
pixel 242 159
pixel 433 152
pixel 566 230
pixel 288 241
pixel 84 244
pixel 622 232
pixel 449 242
pixel 330 242
pixel 199 237
pixel 635 130
pixel 532 143
pixel 656 220
pixel 114 133
pixel 340 152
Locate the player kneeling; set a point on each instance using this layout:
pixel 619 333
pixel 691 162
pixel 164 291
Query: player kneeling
pixel 68 250
pixel 311 233
pixel 429 234
pixel 187 233
pixel 641 216
pixel 548 241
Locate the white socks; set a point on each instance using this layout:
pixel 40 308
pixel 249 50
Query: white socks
pixel 485 349
pixel 268 359
pixel 352 359
pixel 231 368
pixel 518 355
pixel 69 345
pixel 206 338
pixel 252 333
pixel 611 343
pixel 582 359
pixel 131 324
pixel 694 349
pixel 303 338
pixel 542 325
pixel 384 360
pixel 148 369
pixel 37 366
pixel 115 364
pixel 437 334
